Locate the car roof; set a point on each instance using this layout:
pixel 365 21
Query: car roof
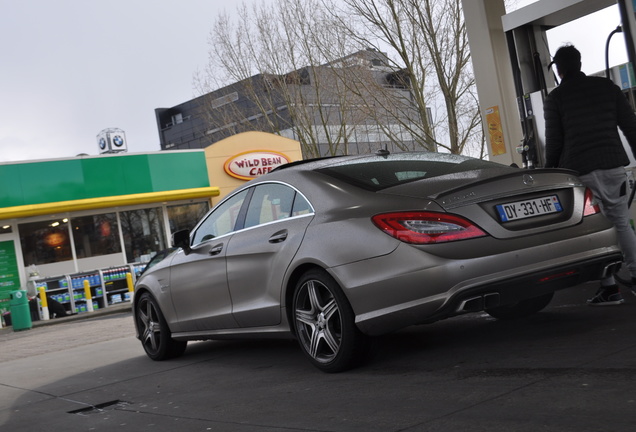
pixel 383 169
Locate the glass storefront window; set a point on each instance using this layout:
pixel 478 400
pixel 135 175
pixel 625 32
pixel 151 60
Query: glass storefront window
pixel 144 233
pixel 186 216
pixel 5 229
pixel 45 242
pixel 96 235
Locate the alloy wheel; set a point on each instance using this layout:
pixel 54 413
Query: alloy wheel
pixel 318 321
pixel 149 325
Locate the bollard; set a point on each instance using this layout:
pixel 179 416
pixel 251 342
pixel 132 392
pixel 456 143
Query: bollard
pixel 4 297
pixel 129 281
pixel 131 287
pixel 45 304
pixel 89 297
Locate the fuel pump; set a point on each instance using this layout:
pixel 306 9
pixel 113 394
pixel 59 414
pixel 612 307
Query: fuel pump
pixel 529 57
pixel 530 147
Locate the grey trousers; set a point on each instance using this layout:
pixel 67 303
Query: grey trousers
pixel 612 194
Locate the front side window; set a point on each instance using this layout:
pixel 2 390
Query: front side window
pixel 96 235
pixel 221 221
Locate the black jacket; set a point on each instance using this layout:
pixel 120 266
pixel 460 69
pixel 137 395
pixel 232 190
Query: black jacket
pixel 582 116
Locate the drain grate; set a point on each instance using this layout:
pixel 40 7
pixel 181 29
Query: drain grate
pixel 99 408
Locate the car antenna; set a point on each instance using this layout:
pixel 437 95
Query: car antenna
pixel 384 152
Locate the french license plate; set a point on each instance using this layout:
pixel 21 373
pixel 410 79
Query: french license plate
pixel 529 208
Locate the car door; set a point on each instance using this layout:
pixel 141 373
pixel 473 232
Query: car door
pixel 198 279
pixel 258 256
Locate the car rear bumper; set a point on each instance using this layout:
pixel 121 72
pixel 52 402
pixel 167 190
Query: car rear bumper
pixel 528 286
pixel 391 296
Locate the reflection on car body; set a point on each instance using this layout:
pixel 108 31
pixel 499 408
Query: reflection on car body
pixel 158 257
pixel 333 251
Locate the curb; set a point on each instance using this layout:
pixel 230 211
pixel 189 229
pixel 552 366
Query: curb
pixel 111 310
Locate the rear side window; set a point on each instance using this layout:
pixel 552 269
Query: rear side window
pixel 269 202
pixel 301 206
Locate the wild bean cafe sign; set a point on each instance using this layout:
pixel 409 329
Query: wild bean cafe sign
pixel 252 164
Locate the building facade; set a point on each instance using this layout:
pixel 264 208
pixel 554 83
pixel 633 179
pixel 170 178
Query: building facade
pixel 354 105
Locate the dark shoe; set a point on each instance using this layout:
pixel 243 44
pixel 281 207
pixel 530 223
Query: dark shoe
pixel 607 296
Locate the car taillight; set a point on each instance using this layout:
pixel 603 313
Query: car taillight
pixel 589 208
pixel 426 227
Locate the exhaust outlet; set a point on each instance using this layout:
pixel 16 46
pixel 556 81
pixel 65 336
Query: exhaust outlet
pixel 479 303
pixel 473 304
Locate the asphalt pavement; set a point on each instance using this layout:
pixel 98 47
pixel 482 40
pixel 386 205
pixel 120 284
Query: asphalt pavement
pixel 569 368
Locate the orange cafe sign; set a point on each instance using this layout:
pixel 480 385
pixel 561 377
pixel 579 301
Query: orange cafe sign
pixel 252 164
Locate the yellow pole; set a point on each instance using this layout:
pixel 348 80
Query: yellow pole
pixel 45 304
pixel 87 294
pixel 131 286
pixel 129 282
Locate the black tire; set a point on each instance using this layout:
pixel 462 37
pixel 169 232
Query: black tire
pixel 154 332
pixel 325 324
pixel 521 309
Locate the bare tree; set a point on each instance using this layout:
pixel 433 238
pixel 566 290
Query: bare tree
pixel 292 71
pixel 273 57
pixel 427 39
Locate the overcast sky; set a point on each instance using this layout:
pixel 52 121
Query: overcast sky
pixel 71 68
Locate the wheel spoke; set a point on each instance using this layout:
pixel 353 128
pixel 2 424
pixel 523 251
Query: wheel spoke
pixel 330 309
pixel 332 342
pixel 332 324
pixel 313 297
pixel 151 331
pixel 306 317
pixel 314 342
pixel 143 319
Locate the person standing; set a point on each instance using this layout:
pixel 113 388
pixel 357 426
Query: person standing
pixel 582 118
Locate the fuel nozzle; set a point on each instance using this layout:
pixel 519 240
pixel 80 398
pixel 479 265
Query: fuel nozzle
pixel 523 148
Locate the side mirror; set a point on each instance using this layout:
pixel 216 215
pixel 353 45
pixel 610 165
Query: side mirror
pixel 181 239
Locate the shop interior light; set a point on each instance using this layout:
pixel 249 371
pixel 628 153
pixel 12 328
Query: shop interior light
pixel 54 224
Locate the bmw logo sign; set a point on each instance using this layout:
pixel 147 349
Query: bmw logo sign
pixel 102 143
pixel 118 141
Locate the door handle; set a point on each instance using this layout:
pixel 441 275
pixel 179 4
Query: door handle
pixel 215 250
pixel 278 237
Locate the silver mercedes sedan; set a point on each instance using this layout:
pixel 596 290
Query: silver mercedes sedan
pixel 336 250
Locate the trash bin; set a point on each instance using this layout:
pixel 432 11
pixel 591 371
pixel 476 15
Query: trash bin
pixel 20 312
